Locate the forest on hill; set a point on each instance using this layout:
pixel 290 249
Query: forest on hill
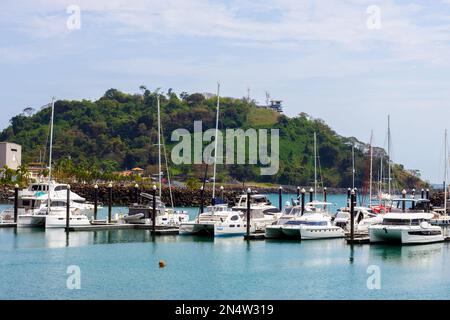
pixel 94 139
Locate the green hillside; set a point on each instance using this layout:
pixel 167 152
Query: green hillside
pixel 118 132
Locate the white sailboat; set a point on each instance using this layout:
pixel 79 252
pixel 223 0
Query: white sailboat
pixel 165 217
pixel 316 221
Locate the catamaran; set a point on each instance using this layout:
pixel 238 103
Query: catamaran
pixel 165 217
pixel 408 226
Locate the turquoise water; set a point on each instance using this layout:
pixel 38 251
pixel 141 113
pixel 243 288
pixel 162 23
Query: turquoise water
pixel 123 264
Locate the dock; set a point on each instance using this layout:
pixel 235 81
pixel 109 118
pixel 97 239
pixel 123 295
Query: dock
pixel 102 226
pixel 8 225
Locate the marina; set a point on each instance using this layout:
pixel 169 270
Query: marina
pixel 123 264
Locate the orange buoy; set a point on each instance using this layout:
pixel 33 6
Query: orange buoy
pixel 162 263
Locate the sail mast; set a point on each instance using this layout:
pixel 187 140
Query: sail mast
pixel 445 173
pixel 159 147
pixel 353 166
pixel 315 166
pixel 389 155
pixel 216 141
pixel 50 155
pixel 371 168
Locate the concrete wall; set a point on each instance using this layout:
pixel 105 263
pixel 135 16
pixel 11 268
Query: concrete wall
pixel 10 155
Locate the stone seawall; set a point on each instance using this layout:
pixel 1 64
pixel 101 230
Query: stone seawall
pixel 183 197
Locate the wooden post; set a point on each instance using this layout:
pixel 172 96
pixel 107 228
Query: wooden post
pixel 95 201
pixel 352 215
pixel 249 193
pixel 428 198
pixel 222 193
pixel 311 192
pixel 154 210
pixel 280 201
pixel 325 197
pixel 68 208
pixel 109 202
pixel 202 199
pixel 403 200
pixel 16 202
pixel 413 196
pixel 422 194
pixel 303 200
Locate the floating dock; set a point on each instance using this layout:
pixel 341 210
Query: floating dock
pixel 8 225
pixel 102 226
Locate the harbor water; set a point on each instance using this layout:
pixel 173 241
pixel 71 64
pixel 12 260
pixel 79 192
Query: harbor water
pixel 123 264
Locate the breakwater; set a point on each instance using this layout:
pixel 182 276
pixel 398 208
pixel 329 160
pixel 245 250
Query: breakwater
pixel 182 196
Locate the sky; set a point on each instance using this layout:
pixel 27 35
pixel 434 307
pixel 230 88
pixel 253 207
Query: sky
pixel 350 63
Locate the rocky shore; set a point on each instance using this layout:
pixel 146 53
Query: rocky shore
pixel 183 197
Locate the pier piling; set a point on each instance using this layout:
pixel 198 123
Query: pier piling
pixel 303 200
pixel 68 208
pixel 422 194
pixel 280 202
pixel 311 193
pixel 249 193
pixel 348 196
pixel 352 215
pixel 136 193
pixel 109 202
pixel 403 200
pixel 325 196
pixel 16 202
pixel 222 193
pixel 95 201
pixel 202 199
pixel 154 210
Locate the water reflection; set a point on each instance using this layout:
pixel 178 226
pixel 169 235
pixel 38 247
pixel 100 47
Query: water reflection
pixel 412 254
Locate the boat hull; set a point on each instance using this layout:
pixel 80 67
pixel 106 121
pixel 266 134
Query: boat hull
pixel 405 235
pixel 274 232
pixel 291 232
pixel 60 221
pixel 31 221
pixel 228 231
pixel 192 228
pixel 312 233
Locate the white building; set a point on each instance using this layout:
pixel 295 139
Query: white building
pixel 10 155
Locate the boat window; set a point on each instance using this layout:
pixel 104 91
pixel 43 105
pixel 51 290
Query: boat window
pixel 234 218
pixel 400 222
pixel 26 203
pixel 58 204
pixel 307 223
pixel 35 187
pixel 270 211
pixel 59 188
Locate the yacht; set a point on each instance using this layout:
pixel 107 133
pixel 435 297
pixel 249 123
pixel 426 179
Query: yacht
pixel 290 213
pixel 410 227
pixel 217 220
pixel 33 200
pixel 165 217
pixel 312 225
pixel 364 217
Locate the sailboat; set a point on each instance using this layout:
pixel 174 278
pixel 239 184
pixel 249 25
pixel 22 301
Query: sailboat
pixel 165 217
pixel 316 221
pixel 45 204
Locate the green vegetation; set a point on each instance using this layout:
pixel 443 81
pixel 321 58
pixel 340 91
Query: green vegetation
pixel 93 139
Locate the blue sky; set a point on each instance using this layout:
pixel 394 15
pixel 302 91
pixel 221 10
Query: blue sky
pixel 318 56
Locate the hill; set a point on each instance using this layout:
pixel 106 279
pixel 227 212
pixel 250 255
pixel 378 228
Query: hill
pixel 92 139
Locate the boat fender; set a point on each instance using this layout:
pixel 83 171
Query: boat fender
pixel 162 264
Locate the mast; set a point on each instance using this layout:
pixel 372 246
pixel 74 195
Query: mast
pixel 50 155
pixel 315 166
pixel 216 141
pixel 353 166
pixel 159 147
pixel 389 155
pixel 445 173
pixel 371 168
